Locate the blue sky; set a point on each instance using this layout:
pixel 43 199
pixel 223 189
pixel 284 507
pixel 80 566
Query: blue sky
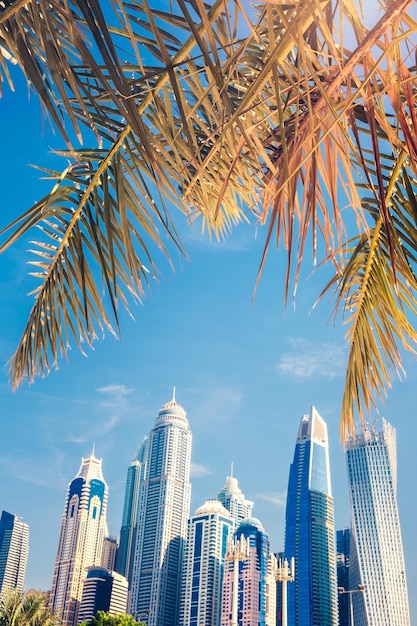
pixel 244 373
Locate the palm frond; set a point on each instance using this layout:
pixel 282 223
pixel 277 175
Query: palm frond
pixel 218 112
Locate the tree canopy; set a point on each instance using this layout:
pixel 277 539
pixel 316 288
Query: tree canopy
pixel 25 609
pixel 106 619
pixel 297 116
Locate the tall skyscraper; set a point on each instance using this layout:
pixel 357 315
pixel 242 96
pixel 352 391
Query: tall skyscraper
pixel 128 531
pixel 208 533
pixel 14 550
pixel 234 501
pixel 83 529
pixel 309 529
pixel 256 587
pixel 377 559
pixel 162 515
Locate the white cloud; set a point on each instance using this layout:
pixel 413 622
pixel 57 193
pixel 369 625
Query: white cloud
pixel 115 391
pixel 309 359
pixel 275 498
pixel 198 470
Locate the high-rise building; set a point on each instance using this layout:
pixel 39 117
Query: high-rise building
pixel 108 556
pixel 234 501
pixel 255 575
pixel 103 590
pixel 14 550
pixel 135 474
pixel 83 529
pixel 377 560
pixel 162 514
pixel 208 533
pixel 309 529
pixel 343 560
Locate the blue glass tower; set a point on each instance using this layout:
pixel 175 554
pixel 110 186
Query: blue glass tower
pixel 309 530
pixel 128 531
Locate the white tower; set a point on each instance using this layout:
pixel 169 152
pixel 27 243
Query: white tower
pixel 376 560
pixel 162 515
pixel 234 501
pixel 83 530
pixel 209 530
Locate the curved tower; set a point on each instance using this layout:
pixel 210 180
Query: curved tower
pixel 83 530
pixel 309 528
pixel 162 514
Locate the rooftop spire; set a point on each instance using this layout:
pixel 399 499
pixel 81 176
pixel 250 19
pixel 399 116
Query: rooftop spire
pixel 173 395
pixel 93 451
pixel 231 469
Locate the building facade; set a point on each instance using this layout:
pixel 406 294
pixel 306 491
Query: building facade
pixel 14 550
pixel 377 559
pixel 343 562
pixel 103 590
pixel 255 576
pixel 162 514
pixel 234 501
pixel 128 531
pixel 83 529
pixel 208 533
pixel 309 530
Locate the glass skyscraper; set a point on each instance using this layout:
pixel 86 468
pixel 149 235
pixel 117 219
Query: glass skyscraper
pixel 83 529
pixel 343 560
pixel 163 509
pixel 309 529
pixel 377 559
pixel 208 532
pixel 128 531
pixel 14 549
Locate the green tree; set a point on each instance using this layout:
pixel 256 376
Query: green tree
pixel 25 609
pixel 299 116
pixel 106 619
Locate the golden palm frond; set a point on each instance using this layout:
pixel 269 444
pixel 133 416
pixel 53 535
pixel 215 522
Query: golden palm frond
pixel 286 113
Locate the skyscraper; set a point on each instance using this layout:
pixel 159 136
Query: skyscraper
pixel 208 532
pixel 14 550
pixel 309 529
pixel 377 559
pixel 162 515
pixel 256 587
pixel 83 529
pixel 234 501
pixel 135 474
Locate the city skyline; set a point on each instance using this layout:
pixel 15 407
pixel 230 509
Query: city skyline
pixel 245 372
